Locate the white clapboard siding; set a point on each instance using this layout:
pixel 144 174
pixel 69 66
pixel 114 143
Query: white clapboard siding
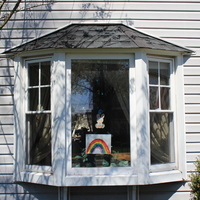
pixel 174 21
pixel 192 156
pixel 192 118
pixel 190 167
pixel 6 149
pixel 190 70
pixel 193 147
pixel 106 15
pixel 6 119
pixel 193 137
pixel 130 5
pixel 6 71
pixel 6 63
pixel 194 108
pixel 192 89
pixel 6 178
pixel 6 139
pixel 193 128
pixel 192 80
pixel 6 159
pixel 192 99
pixel 6 80
pixel 6 100
pixel 6 90
pixel 6 129
pixel 6 109
pixel 6 168
pixel 194 60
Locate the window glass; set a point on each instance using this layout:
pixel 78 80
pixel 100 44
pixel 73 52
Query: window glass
pixel 45 73
pixel 38 140
pixel 100 113
pixel 164 96
pixel 161 116
pixel 33 99
pixel 154 97
pixel 162 141
pixel 33 74
pixel 153 72
pixel 164 73
pixel 45 98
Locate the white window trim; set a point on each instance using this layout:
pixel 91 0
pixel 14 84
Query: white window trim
pixel 59 174
pixel 173 165
pixel 29 167
pixel 102 170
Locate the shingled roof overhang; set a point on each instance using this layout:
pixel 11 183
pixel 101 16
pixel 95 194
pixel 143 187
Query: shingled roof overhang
pixel 93 36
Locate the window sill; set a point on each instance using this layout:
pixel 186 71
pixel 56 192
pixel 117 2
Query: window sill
pixel 100 180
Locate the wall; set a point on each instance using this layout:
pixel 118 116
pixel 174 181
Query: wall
pixel 175 21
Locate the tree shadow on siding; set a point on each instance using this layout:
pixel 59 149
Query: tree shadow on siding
pixel 28 25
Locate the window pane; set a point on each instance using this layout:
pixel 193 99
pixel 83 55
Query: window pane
pixel 154 98
pixel 100 113
pixel 45 98
pixel 33 74
pixel 164 93
pixel 45 73
pixel 153 72
pixel 33 99
pixel 162 138
pixel 164 73
pixel 39 139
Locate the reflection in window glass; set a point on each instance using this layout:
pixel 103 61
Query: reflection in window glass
pixel 162 139
pixel 164 93
pixel 100 113
pixel 164 73
pixel 38 138
pixel 161 117
pixel 33 99
pixel 154 98
pixel 45 73
pixel 33 74
pixel 153 72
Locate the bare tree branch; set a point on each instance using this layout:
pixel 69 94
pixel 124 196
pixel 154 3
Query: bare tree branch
pixel 35 6
pixel 2 3
pixel 7 18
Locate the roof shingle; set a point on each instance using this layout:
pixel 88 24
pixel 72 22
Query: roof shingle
pixel 78 36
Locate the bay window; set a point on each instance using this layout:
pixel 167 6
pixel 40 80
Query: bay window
pixel 107 115
pixel 87 121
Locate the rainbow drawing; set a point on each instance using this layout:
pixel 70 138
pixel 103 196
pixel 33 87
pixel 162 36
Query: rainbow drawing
pixel 98 144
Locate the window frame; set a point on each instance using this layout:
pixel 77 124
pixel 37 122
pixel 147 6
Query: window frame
pixel 172 165
pixel 102 170
pixel 32 167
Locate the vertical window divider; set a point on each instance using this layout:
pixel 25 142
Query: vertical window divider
pixel 39 88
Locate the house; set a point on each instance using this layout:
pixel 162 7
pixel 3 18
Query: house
pixel 100 100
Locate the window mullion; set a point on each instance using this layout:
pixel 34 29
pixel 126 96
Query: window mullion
pixel 39 88
pixel 159 95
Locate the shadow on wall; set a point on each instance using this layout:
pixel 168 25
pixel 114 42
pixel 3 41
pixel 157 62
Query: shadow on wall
pixel 24 25
pixel 164 191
